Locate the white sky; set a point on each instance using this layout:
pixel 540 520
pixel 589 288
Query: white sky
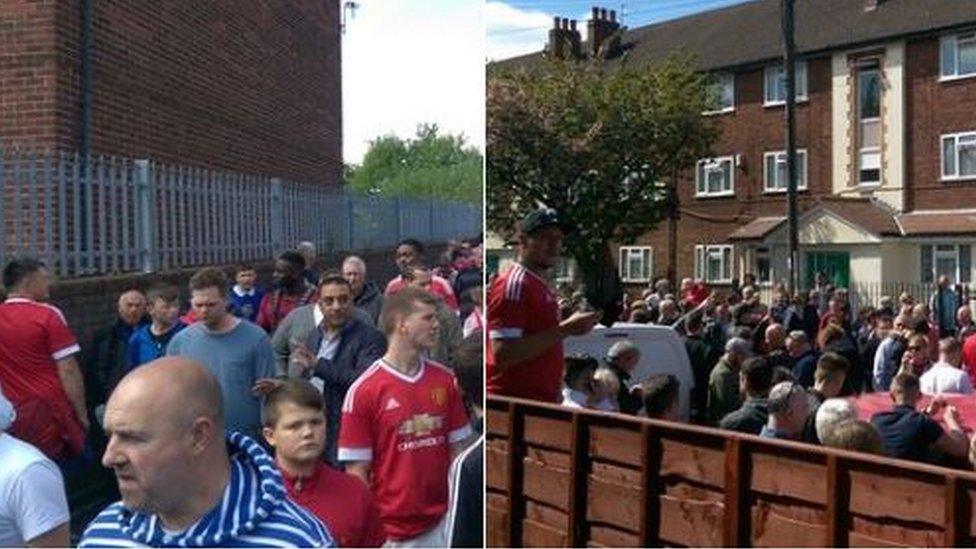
pixel 516 31
pixel 406 62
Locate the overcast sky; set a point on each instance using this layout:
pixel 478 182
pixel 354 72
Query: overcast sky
pixel 406 62
pixel 517 27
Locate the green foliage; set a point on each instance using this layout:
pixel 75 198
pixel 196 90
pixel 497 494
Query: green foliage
pixel 596 144
pixel 428 166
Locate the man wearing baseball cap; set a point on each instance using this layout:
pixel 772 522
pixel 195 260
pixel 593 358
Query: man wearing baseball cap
pixel 525 349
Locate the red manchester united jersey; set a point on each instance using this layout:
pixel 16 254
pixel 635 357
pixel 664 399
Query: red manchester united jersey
pixel 404 426
pixel 521 304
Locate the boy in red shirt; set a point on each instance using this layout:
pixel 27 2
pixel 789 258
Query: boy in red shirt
pixel 294 425
pixel 403 421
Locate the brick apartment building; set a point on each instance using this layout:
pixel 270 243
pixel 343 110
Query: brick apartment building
pixel 246 86
pixel 886 134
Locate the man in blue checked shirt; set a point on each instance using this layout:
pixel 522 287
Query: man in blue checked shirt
pixel 183 481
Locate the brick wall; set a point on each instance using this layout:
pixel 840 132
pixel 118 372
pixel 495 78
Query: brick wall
pixel 28 71
pixel 934 108
pixel 88 304
pixel 252 87
pixel 751 130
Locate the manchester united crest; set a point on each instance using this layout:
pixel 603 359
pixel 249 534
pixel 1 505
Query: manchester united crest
pixel 438 395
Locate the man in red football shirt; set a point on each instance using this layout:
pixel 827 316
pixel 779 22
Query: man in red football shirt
pixel 525 350
pixel 291 291
pixel 294 424
pixel 403 421
pixel 38 370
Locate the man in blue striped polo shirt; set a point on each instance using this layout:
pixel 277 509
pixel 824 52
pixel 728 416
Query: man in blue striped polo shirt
pixel 183 482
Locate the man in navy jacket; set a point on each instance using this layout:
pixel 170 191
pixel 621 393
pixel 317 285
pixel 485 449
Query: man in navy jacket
pixel 329 341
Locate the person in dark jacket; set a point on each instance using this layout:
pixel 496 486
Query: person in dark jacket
pixel 367 296
pixel 465 510
pixel 107 357
pixel 335 347
pixel 622 358
pixel 833 339
pixel 804 357
pixel 755 379
pixel 702 357
pixel 802 314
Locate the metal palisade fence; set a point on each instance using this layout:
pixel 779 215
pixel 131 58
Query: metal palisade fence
pixel 104 215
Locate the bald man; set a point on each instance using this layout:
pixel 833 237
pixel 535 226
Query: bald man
pixel 184 481
pixel 107 356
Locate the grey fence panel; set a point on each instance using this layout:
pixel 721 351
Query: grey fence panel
pixel 98 215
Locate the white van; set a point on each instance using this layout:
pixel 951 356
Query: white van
pixel 662 352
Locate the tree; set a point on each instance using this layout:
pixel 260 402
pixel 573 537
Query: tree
pixel 430 165
pixel 596 144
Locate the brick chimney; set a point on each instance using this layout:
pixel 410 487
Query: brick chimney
pixel 600 27
pixel 871 5
pixel 564 39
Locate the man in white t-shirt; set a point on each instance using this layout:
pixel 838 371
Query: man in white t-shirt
pixel 33 506
pixel 946 375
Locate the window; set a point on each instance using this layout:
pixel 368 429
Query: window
pixel 714 177
pixel 764 266
pixel 636 263
pixel 713 263
pixel 869 122
pixel 775 177
pixel 564 270
pixel 775 83
pixel 952 260
pixel 958 56
pixel 959 155
pixel 722 93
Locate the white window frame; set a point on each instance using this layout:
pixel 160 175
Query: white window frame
pixel 955 253
pixel 953 40
pixel 714 161
pixel 802 92
pixel 724 78
pixel 803 164
pixel 564 270
pixel 624 267
pixel 702 254
pixel 955 137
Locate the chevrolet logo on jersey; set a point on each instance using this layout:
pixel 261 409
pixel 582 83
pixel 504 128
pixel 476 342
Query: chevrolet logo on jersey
pixel 421 425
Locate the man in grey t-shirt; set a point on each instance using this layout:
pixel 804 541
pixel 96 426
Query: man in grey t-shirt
pixel 237 352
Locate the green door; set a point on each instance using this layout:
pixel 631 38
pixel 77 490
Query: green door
pixel 836 265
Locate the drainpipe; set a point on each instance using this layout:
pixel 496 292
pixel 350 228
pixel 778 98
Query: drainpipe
pixel 85 114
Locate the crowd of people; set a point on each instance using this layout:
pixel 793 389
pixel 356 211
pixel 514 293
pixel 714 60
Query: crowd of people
pixel 320 411
pixel 807 367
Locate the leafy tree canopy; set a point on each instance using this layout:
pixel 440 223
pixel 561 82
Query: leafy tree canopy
pixel 596 145
pixel 430 165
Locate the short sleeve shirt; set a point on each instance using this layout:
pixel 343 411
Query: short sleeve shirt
pixel 32 496
pixel 33 338
pixel 907 433
pixel 405 427
pixel 521 304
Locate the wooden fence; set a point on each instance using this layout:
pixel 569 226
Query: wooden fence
pixel 563 477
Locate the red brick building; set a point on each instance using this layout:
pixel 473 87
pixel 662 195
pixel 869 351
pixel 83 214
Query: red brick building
pixel 246 86
pixel 886 134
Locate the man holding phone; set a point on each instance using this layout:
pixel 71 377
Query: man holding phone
pixel 525 336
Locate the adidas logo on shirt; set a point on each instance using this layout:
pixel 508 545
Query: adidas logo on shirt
pixel 391 404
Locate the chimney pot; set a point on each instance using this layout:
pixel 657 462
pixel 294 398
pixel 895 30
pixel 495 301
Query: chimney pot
pixel 613 16
pixel 565 23
pixel 595 13
pixel 572 25
pixel 603 14
pixel 555 22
